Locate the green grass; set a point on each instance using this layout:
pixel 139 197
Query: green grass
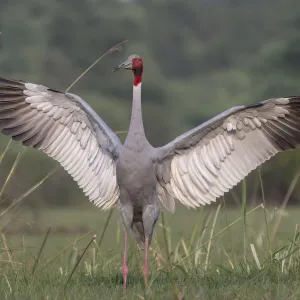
pixel 108 285
pixel 202 263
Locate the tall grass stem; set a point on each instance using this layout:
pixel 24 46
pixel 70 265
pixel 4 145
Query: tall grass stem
pixel 78 261
pixel 115 48
pixel 265 212
pixel 211 235
pixel 40 251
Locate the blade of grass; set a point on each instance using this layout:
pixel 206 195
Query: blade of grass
pixel 228 231
pixel 8 283
pixel 11 172
pixel 66 249
pixel 244 206
pixel 220 232
pixel 165 238
pixel 185 250
pixel 295 248
pixel 7 250
pixel 195 229
pixel 118 235
pixel 113 49
pixel 40 251
pixel 283 205
pixel 229 260
pixel 28 192
pixel 206 221
pixel 211 235
pixel 105 228
pixel 5 150
pixel 104 231
pixel 294 244
pixel 265 213
pixel 170 271
pixel 78 261
pixel 255 256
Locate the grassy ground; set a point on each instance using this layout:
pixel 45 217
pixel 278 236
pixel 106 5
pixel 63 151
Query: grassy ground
pixel 214 253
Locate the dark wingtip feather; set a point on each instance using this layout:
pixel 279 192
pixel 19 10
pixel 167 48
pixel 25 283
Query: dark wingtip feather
pixel 11 83
pixel 55 91
pixel 294 100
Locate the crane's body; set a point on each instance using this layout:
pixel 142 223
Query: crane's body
pixel 196 168
pixel 139 204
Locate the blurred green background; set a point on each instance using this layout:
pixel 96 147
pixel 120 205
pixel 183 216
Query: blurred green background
pixel 201 57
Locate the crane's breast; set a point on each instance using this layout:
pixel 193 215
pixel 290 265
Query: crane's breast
pixel 135 174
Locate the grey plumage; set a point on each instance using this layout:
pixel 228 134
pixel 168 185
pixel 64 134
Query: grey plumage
pixel 196 168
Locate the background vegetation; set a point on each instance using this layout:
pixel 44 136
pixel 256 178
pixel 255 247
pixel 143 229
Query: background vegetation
pixel 201 57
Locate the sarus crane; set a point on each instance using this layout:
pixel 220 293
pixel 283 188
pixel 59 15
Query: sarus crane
pixel 195 168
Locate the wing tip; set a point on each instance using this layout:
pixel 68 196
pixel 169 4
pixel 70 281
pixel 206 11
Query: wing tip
pixel 11 83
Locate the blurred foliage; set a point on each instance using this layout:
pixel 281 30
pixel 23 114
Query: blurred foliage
pixel 201 57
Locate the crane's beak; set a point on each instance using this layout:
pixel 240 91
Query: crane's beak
pixel 127 65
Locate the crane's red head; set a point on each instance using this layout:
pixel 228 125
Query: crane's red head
pixel 134 63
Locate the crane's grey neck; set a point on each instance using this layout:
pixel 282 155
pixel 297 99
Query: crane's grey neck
pixel 136 127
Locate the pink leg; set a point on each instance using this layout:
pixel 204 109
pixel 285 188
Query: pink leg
pixel 145 269
pixel 124 267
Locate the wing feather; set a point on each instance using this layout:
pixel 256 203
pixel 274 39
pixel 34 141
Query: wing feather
pixel 204 163
pixel 64 127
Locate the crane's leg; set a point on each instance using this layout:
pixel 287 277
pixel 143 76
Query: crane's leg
pixel 145 269
pixel 150 216
pixel 124 267
pixel 126 212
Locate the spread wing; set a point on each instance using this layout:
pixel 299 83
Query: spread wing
pixel 67 129
pixel 204 163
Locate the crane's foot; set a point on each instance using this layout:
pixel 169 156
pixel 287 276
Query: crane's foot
pixel 125 273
